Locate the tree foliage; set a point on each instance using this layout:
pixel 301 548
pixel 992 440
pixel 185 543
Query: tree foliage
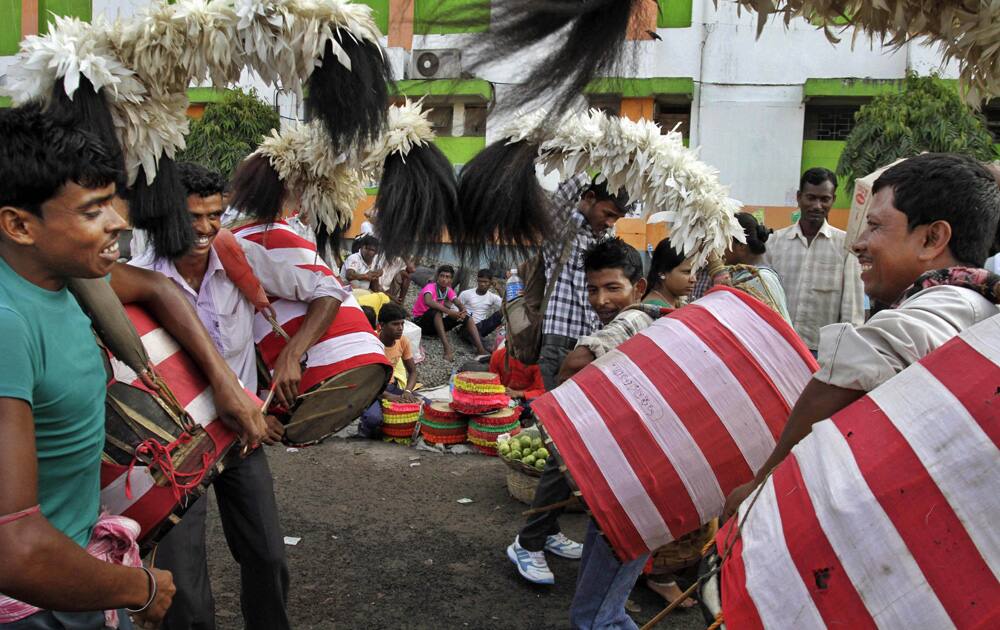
pixel 926 115
pixel 229 131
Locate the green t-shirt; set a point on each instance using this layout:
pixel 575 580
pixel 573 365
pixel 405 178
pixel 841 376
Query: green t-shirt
pixel 51 360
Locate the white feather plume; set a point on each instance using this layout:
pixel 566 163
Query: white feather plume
pixel 655 169
pixel 407 126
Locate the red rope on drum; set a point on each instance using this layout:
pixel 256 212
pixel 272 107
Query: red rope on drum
pixel 160 458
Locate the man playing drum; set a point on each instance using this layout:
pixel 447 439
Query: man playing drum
pixel 932 224
pixel 57 222
pixel 245 493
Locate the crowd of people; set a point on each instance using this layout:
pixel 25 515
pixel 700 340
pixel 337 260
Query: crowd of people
pixel 932 225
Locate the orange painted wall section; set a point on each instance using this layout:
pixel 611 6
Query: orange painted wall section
pixel 29 18
pixel 643 21
pixel 637 108
pixel 401 24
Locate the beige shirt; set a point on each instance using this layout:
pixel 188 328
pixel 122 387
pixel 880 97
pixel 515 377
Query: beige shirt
pixel 822 281
pixel 863 358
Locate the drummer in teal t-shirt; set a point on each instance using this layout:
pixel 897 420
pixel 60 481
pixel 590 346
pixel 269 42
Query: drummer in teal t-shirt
pixel 56 222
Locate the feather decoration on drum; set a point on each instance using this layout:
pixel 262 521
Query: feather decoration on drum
pixel 657 432
pixel 966 31
pixel 143 65
pixel 885 515
pixel 653 168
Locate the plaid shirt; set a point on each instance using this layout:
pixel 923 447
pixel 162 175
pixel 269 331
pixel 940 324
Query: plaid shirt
pixel 568 312
pixel 702 283
pixel 822 281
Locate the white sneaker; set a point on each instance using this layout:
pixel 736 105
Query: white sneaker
pixel 530 564
pixel 563 547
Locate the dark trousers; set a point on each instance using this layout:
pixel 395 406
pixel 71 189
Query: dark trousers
pixel 552 488
pixel 249 513
pixel 550 357
pixel 489 324
pixel 371 420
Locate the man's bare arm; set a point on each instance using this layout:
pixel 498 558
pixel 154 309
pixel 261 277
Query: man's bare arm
pixel 579 358
pixel 287 367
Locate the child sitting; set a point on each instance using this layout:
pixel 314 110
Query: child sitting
pixel 404 368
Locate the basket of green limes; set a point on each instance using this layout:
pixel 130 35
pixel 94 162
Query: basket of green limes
pixel 524 452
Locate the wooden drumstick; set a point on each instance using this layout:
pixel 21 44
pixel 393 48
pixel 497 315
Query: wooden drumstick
pixel 552 506
pixel 263 409
pixel 327 389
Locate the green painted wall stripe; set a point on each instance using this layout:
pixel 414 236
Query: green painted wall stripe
pixel 76 8
pixel 380 13
pixel 674 14
pixel 206 94
pixel 461 149
pixel 5 102
pixel 10 27
pixel 445 87
pixel 444 17
pixel 826 153
pixel 641 88
pixel 855 87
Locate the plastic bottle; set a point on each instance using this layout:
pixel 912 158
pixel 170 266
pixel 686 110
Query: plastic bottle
pixel 515 286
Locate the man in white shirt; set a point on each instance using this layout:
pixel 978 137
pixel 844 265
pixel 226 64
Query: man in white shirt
pixel 245 491
pixel 363 268
pixel 822 281
pixel 483 304
pixel 932 223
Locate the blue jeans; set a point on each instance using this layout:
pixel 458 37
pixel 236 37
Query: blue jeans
pixel 603 586
pixel 49 620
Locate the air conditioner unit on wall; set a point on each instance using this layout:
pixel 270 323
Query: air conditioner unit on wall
pixel 435 64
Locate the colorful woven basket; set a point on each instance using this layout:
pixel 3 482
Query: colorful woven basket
pixel 478 393
pixel 440 425
pixel 398 421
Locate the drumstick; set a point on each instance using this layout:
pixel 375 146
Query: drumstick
pixel 267 403
pixel 328 389
pixel 550 507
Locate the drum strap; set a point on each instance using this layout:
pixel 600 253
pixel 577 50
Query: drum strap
pixel 238 270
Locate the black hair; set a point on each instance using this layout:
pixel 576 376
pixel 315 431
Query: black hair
pixel 370 314
pixel 391 313
pixel 40 152
pixel 816 176
pixel 256 190
pixel 756 233
pixel 591 43
pixel 445 268
pixel 501 200
pixel 601 193
pixel 90 109
pixel 417 201
pixel 160 208
pixel 352 104
pixel 485 272
pixel 948 187
pixel 201 181
pixel 614 253
pixel 366 239
pixel 665 260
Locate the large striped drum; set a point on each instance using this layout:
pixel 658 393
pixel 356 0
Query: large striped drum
pixel 886 515
pixel 656 433
pixel 153 469
pixel 345 371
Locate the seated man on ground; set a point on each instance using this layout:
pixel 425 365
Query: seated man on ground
pixel 438 310
pixel 404 369
pixel 613 272
pixel 362 268
pixel 483 304
pixel 929 230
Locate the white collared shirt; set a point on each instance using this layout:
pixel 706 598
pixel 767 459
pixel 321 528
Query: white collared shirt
pixel 822 281
pixel 228 315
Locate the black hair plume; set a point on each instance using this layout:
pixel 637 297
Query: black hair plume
pixel 89 108
pixel 160 208
pixel 351 103
pixel 417 201
pixel 256 190
pixel 590 43
pixel 501 200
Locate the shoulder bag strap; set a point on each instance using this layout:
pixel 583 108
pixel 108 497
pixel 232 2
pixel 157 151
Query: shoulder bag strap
pixel 556 271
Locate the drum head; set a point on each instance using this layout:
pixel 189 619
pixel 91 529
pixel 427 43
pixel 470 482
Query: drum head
pixel 322 414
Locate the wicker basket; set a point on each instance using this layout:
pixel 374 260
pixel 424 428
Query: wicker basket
pixel 521 486
pixel 683 552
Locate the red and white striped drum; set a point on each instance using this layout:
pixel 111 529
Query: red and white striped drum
pixel 885 516
pixel 657 432
pixel 152 468
pixel 345 371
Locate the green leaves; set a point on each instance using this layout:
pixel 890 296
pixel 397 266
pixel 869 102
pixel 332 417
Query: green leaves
pixel 229 131
pixel 926 115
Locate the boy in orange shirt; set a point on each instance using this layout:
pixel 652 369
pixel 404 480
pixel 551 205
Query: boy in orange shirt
pixel 404 368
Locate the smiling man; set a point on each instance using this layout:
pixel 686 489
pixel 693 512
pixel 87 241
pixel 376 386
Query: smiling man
pixel 932 223
pixel 821 280
pixel 244 492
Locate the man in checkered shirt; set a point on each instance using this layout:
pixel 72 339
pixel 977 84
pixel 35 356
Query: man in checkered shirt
pixel 588 212
pixel 584 213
